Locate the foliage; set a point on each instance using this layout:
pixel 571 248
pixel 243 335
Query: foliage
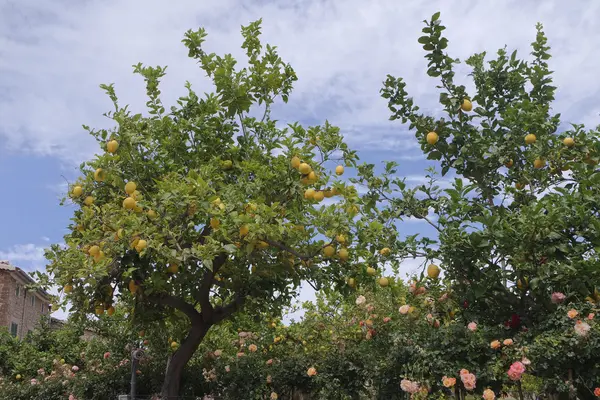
pixel 201 210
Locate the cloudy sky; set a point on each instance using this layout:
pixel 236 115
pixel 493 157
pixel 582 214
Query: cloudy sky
pixel 55 53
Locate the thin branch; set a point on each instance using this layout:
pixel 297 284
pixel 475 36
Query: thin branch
pixel 222 312
pixel 282 246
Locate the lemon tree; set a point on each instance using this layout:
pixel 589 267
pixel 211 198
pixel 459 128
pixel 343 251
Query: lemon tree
pixel 518 222
pixel 194 212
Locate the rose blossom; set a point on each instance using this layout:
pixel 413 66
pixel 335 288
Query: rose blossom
pixel 404 309
pixel 582 328
pixel 409 386
pixel 75 368
pixel 526 361
pixel 597 392
pixel 472 326
pixel 34 381
pixel 448 382
pixel 488 394
pixel 269 379
pixel 311 371
pixel 106 355
pixel 507 342
pixel 274 396
pixel 572 313
pixel 516 370
pixel 240 354
pixel 360 300
pixel 558 297
pixel 495 344
pixel 72 397
pixel 218 353
pixel 591 315
pixel 227 369
pixel 269 361
pixel 386 320
pixel 468 380
pixel 252 348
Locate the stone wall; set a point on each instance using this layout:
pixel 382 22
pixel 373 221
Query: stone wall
pixel 19 309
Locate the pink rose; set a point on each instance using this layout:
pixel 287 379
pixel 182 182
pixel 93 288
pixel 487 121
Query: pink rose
pixel 516 370
pixel 269 361
pixel 472 326
pixel 386 320
pixel 591 315
pixel 106 355
pixel 34 381
pixel 72 397
pixel 218 353
pixel 75 368
pixel 227 369
pixel 558 297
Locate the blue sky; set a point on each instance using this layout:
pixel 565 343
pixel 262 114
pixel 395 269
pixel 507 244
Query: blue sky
pixel 54 54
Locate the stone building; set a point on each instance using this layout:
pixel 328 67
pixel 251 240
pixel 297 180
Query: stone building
pixel 20 308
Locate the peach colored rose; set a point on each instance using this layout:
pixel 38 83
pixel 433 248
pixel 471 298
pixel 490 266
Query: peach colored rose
pixel 495 344
pixel 252 348
pixel 218 353
pixel 448 382
pixel 488 394
pixel 404 309
pixel 507 342
pixel 274 396
pixel 386 320
pixel 311 371
pixel 240 354
pixel 572 313
pixel 597 392
pixel 269 361
pixel 591 316
pixel 463 372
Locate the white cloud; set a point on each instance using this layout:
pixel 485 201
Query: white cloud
pixel 54 57
pixel 29 254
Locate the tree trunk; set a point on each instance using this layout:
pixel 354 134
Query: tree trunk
pixel 170 387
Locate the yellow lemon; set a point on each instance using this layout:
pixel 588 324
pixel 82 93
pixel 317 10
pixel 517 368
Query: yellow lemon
pixel 304 168
pixel 329 251
pixel 129 203
pixel 318 196
pixel 432 138
pixel 112 146
pixel 77 191
pixel 295 163
pixel 99 175
pixel 530 138
pixel 569 142
pixel 130 187
pixel 339 170
pixel 466 105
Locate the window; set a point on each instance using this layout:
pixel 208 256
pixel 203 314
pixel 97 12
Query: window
pixel 43 307
pixel 17 290
pixel 13 329
pixel 32 300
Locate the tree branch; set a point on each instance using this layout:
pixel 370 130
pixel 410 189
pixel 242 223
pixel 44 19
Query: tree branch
pixel 207 282
pixel 282 246
pixel 177 303
pixel 222 312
